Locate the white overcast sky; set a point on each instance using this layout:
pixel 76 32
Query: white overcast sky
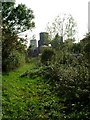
pixel 46 10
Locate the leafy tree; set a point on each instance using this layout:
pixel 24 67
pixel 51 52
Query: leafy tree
pixel 15 19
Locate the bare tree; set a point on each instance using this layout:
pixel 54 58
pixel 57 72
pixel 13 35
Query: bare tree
pixel 64 25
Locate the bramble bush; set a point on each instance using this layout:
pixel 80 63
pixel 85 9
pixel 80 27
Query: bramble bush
pixel 69 77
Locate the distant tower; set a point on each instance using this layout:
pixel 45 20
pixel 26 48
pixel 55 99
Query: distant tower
pixel 33 43
pixel 89 16
pixel 44 38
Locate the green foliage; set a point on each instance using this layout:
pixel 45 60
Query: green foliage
pixel 47 56
pixel 70 81
pixel 69 76
pixel 56 42
pixel 34 99
pixel 59 91
pixel 14 60
pixel 15 19
pixel 76 48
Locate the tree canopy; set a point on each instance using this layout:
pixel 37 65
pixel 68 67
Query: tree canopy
pixel 15 19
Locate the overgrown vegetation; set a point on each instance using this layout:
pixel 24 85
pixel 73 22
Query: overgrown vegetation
pixel 15 19
pixel 27 98
pixel 47 56
pixel 56 91
pixel 53 86
pixel 69 76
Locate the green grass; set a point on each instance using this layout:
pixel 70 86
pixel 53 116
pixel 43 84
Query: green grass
pixel 26 98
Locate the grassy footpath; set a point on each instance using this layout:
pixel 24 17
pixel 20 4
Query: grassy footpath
pixel 27 98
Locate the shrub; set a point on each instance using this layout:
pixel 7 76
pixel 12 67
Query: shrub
pixel 14 60
pixel 47 56
pixel 70 81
